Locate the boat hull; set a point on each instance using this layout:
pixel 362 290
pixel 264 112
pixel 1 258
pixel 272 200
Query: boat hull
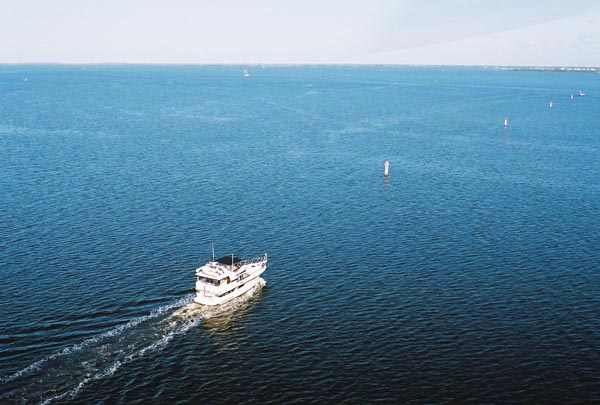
pixel 204 299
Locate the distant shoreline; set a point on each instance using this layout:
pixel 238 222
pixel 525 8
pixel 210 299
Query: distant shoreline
pixel 590 69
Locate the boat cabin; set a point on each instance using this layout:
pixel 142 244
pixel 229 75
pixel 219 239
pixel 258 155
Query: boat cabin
pixel 212 281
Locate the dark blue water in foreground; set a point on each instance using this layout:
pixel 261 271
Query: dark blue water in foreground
pixel 471 274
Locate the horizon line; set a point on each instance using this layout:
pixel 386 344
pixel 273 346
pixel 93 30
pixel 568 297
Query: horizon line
pixel 289 64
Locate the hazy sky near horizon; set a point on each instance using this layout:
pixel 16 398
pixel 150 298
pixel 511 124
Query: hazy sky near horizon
pixel 479 32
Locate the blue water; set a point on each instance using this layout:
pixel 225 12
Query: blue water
pixel 471 274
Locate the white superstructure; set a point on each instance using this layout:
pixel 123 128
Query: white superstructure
pixel 220 280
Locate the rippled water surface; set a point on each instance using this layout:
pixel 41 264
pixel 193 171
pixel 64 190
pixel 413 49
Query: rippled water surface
pixel 472 273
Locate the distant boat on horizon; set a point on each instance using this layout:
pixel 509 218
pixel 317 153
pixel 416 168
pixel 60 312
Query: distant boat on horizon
pixel 246 73
pixel 581 93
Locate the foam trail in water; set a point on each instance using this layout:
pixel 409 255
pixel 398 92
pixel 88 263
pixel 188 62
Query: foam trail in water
pixel 63 375
pixel 96 339
pixel 93 358
pixel 114 366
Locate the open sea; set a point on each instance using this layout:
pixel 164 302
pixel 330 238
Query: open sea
pixel 470 275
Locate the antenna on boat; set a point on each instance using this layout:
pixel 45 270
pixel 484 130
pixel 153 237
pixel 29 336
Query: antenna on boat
pixel 213 250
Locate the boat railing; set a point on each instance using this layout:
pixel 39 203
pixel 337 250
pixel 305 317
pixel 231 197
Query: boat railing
pixel 251 261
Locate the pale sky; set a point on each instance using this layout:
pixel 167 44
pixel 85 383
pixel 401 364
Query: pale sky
pixel 445 32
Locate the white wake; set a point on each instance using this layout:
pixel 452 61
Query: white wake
pixel 65 373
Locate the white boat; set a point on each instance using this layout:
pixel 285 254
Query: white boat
pixel 246 73
pixel 223 279
pixel 581 93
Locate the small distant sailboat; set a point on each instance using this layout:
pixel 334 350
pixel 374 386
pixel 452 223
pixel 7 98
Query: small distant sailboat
pixel 581 93
pixel 246 73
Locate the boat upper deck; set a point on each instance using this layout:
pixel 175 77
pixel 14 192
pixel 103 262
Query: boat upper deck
pixel 227 266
